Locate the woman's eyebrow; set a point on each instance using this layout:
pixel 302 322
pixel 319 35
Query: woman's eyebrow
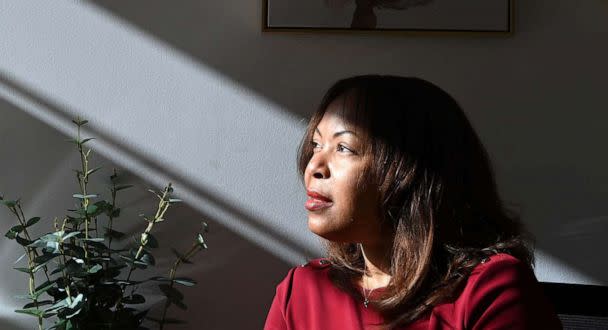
pixel 337 133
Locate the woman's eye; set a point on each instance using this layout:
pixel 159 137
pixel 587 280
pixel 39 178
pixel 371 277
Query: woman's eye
pixel 315 145
pixel 342 148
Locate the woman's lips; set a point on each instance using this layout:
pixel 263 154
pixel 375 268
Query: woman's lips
pixel 317 201
pixel 316 204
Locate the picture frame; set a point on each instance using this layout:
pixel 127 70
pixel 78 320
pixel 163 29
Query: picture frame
pixel 443 17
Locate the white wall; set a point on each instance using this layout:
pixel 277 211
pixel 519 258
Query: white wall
pixel 195 93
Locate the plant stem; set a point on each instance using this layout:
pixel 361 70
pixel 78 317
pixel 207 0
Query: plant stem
pixel 195 248
pixel 111 217
pixel 32 281
pixel 163 205
pixel 22 222
pixel 64 262
pixel 83 180
pixel 31 253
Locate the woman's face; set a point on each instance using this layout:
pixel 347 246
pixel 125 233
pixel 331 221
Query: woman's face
pixel 343 203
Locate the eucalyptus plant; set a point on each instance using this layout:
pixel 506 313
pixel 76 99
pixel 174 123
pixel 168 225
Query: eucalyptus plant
pixel 86 281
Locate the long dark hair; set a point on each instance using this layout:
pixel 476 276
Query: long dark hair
pixel 438 194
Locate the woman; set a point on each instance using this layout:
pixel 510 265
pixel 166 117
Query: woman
pixel 401 189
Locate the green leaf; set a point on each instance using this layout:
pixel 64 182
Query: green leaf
pixel 171 293
pixel 23 296
pixel 46 244
pixel 81 196
pixel 148 259
pixel 9 203
pixel 57 270
pixel 42 289
pixel 103 206
pixel 51 237
pixel 70 234
pixel 201 241
pixel 10 234
pixel 92 209
pixel 14 231
pixel 46 315
pixel 52 247
pixel 121 282
pixel 58 305
pixel 46 283
pixel 185 281
pixel 94 239
pixel 45 257
pixel 134 299
pixel 38 267
pixel 95 269
pixel 86 140
pixel 79 122
pixel 23 269
pixel 23 241
pixel 113 233
pixel 73 250
pixel 17 229
pixel 126 258
pixel 152 242
pixel 76 301
pixel 30 311
pixel 122 186
pixel 40 303
pixel 101 248
pixel 32 221
pixel 73 268
pixel 75 307
pixel 94 170
pixel 160 279
pixel 75 222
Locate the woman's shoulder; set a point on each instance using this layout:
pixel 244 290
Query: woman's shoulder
pixel 501 289
pixel 314 267
pixel 501 261
pixel 499 269
pixel 314 272
pixel 498 272
pixel 309 281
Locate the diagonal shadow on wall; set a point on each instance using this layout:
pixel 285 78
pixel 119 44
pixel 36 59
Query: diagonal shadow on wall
pixel 230 267
pixel 200 191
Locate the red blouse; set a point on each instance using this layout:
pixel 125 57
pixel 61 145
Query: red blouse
pixel 501 293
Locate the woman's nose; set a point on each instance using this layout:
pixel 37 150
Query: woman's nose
pixel 318 167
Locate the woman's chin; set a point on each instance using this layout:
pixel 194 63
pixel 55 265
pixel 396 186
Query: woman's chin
pixel 320 228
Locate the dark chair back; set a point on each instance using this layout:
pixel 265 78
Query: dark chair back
pixel 579 306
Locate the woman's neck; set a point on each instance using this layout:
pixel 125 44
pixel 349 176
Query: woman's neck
pixel 377 265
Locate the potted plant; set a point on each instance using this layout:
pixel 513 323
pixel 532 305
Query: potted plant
pixel 77 277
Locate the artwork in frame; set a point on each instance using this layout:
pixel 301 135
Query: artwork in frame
pixel 414 16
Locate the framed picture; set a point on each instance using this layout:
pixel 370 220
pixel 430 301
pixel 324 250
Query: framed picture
pixel 410 16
